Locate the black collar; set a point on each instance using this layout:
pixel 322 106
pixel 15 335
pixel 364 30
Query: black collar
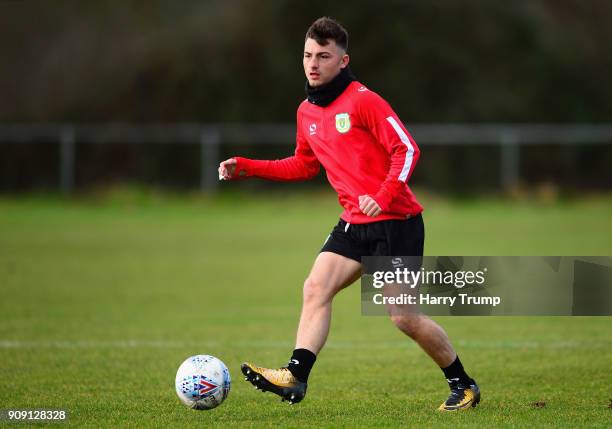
pixel 324 95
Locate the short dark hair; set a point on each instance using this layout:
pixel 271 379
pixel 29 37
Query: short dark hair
pixel 326 28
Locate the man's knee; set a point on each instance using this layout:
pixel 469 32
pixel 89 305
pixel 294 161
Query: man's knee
pixel 409 324
pixel 316 292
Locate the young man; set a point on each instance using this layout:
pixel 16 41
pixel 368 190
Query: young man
pixel 368 156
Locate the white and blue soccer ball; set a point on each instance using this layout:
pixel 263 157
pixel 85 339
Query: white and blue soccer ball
pixel 202 382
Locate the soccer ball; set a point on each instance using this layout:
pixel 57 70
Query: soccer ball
pixel 202 382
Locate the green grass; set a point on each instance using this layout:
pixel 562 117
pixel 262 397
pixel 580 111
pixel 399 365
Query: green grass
pixel 101 299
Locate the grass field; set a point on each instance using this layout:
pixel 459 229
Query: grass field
pixel 102 298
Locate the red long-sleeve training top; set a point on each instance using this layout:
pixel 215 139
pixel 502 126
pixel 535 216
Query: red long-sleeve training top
pixel 362 145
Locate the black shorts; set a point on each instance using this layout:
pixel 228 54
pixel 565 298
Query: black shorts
pixel 385 238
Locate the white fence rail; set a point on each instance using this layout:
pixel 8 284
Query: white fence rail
pixel 211 136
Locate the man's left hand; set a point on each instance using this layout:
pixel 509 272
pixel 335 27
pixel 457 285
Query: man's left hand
pixel 369 206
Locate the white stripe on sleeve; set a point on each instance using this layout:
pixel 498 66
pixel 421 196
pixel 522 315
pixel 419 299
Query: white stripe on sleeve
pixel 409 153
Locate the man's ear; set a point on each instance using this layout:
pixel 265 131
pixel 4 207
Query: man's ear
pixel 345 60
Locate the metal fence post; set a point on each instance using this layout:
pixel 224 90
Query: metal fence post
pixel 210 139
pixel 510 162
pixel 67 160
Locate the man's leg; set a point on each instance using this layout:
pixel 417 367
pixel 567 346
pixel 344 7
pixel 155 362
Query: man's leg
pixel 407 238
pixel 429 335
pixel 330 273
pixel 465 393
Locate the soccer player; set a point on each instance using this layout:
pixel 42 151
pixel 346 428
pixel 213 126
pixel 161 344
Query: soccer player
pixel 368 156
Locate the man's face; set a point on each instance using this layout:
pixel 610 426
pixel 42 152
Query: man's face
pixel 323 63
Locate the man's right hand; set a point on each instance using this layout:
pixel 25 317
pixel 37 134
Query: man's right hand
pixel 227 169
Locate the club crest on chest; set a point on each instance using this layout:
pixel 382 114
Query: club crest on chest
pixel 343 122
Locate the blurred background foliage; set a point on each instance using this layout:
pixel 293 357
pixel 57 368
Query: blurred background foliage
pixel 240 61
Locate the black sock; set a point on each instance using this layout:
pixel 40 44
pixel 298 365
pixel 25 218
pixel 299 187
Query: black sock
pixel 455 372
pixel 301 363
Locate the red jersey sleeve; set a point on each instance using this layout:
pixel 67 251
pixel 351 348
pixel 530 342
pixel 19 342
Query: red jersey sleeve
pixel 389 131
pixel 302 165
